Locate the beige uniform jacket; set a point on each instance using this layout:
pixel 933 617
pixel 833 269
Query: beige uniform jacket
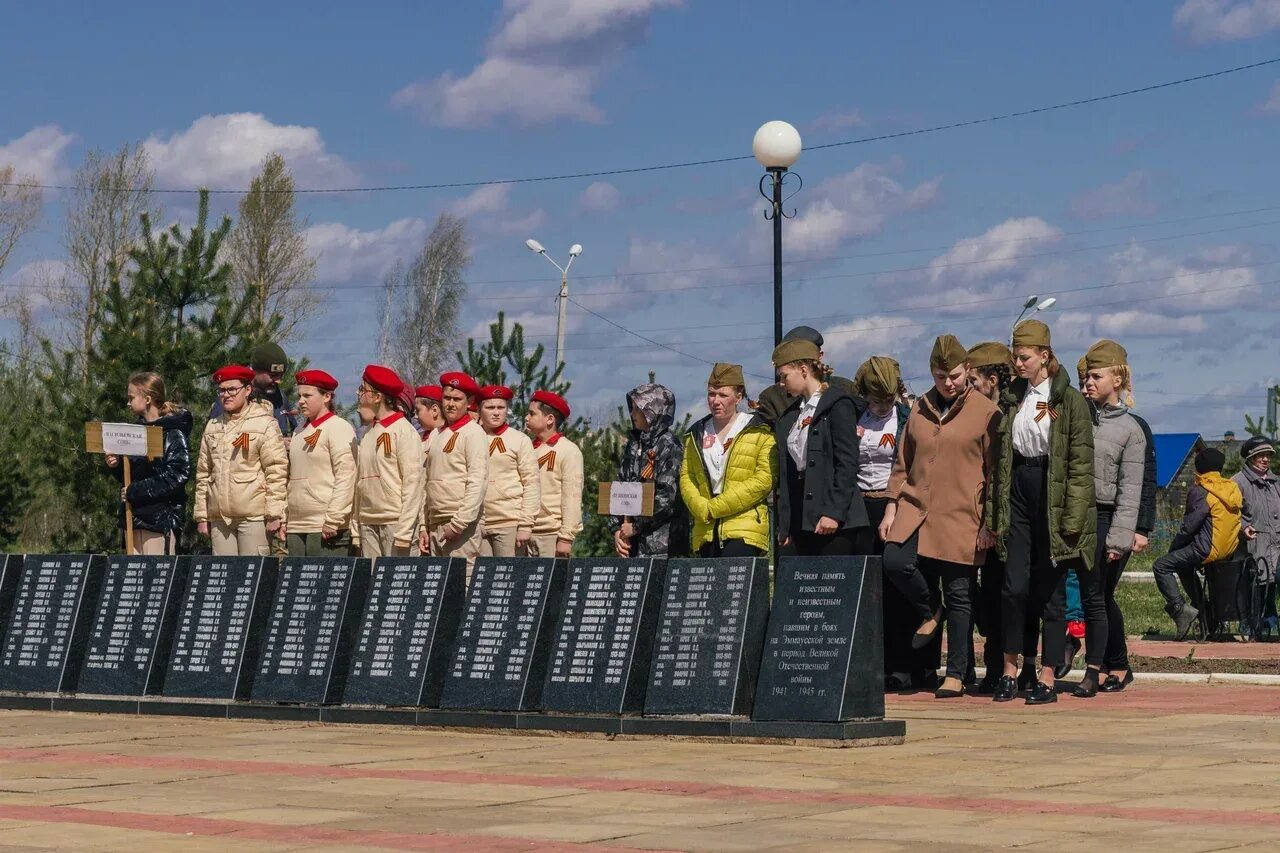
pixel 389 477
pixel 457 472
pixel 243 469
pixel 511 498
pixel 322 475
pixel 560 467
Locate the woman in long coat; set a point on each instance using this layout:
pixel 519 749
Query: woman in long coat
pixel 933 524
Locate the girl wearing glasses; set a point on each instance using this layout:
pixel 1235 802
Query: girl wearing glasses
pixel 242 471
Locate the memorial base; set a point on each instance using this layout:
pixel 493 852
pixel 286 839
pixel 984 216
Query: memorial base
pixel 710 728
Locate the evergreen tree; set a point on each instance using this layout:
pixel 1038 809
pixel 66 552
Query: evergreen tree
pixel 489 365
pixel 178 315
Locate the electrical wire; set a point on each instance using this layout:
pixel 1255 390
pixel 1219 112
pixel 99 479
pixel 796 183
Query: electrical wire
pixel 938 128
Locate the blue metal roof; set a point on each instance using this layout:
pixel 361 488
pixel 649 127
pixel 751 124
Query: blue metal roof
pixel 1172 450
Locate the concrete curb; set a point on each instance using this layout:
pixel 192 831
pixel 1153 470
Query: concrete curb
pixel 1138 577
pixel 1249 678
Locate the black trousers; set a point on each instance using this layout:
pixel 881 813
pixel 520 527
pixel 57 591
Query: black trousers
pixel 1116 652
pixel 729 548
pixel 898 622
pixel 845 541
pixel 1034 585
pixel 918 578
pixel 1179 563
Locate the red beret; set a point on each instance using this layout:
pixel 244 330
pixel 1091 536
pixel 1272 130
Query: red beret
pixel 429 392
pixel 406 398
pixel 496 392
pixel 316 378
pixel 233 371
pixel 554 401
pixel 383 379
pixel 460 381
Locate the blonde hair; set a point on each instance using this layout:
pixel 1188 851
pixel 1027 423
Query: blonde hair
pixel 1124 377
pixel 819 369
pixel 152 385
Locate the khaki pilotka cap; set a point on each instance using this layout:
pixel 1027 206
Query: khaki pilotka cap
pixel 723 374
pixel 797 350
pixel 990 354
pixel 1031 333
pixel 1105 353
pixel 879 376
pixel 948 353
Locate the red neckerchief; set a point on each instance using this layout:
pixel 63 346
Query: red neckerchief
pixel 460 423
pixel 499 431
pixel 390 419
pixel 550 441
pixel 320 420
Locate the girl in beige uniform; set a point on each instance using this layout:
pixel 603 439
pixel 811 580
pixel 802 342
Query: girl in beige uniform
pixel 241 472
pixel 559 519
pixel 511 495
pixel 322 473
pixel 389 462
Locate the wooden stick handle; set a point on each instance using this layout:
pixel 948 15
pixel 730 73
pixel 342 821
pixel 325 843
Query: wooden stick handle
pixel 128 510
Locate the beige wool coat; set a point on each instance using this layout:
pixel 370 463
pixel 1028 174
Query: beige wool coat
pixel 940 477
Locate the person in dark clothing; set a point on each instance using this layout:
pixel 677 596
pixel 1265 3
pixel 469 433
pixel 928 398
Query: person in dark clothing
pixel 813 336
pixel 653 454
pixel 820 507
pixel 1210 532
pixel 157 493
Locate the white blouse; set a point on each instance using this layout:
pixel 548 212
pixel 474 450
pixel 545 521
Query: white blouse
pixel 798 438
pixel 715 453
pixel 1031 423
pixel 877 449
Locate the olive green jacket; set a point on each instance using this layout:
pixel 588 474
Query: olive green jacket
pixel 1073 513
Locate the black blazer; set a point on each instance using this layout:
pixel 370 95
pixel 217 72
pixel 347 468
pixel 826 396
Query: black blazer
pixel 830 484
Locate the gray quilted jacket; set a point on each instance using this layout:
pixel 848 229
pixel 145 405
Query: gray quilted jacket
pixel 1119 460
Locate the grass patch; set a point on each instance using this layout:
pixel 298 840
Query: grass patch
pixel 1143 609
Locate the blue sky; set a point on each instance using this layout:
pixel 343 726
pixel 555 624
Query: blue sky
pixel 1129 211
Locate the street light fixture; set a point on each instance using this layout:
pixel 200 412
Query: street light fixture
pixel 1035 306
pixel 777 146
pixel 574 251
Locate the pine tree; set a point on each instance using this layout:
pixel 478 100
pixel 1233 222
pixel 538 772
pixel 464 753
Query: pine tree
pixel 178 315
pixel 488 365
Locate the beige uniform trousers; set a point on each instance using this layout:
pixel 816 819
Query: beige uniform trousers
pixel 543 545
pixel 239 538
pixel 151 544
pixel 379 540
pixel 501 543
pixel 466 545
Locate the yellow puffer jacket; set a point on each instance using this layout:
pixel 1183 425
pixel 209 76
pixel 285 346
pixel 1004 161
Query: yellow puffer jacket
pixel 1225 502
pixel 243 469
pixel 750 474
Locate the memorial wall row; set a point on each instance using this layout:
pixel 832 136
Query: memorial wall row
pixel 586 636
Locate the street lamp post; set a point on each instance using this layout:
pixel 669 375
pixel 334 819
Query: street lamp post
pixel 777 146
pixel 1034 306
pixel 574 251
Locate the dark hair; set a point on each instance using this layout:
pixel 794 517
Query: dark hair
pixel 1002 372
pixel 556 416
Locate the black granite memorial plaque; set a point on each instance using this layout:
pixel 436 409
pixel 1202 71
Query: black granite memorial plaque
pixel 824 654
pixel 133 628
pixel 10 572
pixel 710 633
pixel 306 652
pixel 604 640
pixel 52 614
pixel 224 618
pixel 408 631
pixel 500 662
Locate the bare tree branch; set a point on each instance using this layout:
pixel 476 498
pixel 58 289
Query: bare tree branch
pixel 431 296
pixel 19 212
pixel 268 253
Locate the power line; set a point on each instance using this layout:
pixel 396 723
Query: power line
pixel 999 117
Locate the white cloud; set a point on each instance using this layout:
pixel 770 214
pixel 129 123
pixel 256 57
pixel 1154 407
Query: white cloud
pixel 38 153
pixel 227 151
pixel 835 121
pixel 345 254
pixel 1126 197
pixel 852 205
pixel 1206 21
pixel 997 251
pixel 1271 106
pixel 494 198
pixel 849 344
pixel 543 64
pixel 599 197
pixel 1211 280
